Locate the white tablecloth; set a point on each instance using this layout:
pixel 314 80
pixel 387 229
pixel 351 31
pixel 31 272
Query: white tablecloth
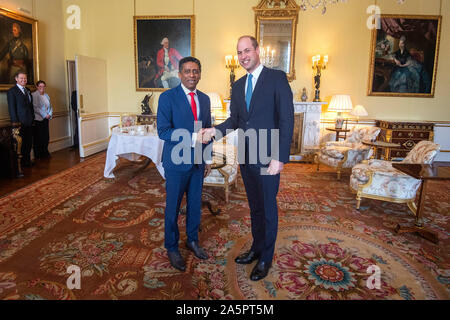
pixel 126 145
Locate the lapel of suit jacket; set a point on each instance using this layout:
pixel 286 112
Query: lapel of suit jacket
pixel 257 90
pixel 202 102
pixel 240 89
pixel 21 94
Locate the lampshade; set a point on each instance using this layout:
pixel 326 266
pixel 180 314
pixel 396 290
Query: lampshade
pixel 340 103
pixel 359 111
pixel 216 102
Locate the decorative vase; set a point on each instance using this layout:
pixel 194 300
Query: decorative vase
pixel 304 95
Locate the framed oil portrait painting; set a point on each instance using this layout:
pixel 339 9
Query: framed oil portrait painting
pixel 160 43
pixel 404 56
pixel 18 48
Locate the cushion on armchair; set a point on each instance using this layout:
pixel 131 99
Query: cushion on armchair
pixel 423 152
pixel 359 134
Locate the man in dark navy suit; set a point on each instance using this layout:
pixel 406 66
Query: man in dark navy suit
pixel 21 112
pixel 182 112
pixel 262 106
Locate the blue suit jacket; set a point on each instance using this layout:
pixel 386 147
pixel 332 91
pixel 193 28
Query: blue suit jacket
pixel 20 108
pixel 271 107
pixel 174 112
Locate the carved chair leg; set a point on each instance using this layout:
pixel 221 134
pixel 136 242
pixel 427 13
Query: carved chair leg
pixel 358 201
pixel 339 174
pixel 227 194
pixel 318 164
pixel 412 206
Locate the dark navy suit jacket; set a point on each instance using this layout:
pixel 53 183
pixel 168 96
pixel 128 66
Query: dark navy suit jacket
pixel 271 107
pixel 174 112
pixel 20 107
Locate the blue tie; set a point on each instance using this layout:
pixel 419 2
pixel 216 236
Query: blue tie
pixel 248 96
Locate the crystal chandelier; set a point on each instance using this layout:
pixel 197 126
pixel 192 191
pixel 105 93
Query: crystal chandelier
pixel 314 4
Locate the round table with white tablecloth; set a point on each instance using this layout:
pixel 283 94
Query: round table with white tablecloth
pixel 129 143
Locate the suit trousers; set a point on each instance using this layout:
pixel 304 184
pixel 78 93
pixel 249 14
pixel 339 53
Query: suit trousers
pixel 41 138
pixel 26 132
pixel 262 193
pixel 177 184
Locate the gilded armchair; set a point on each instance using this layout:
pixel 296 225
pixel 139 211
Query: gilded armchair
pixel 348 153
pixel 224 169
pixel 377 179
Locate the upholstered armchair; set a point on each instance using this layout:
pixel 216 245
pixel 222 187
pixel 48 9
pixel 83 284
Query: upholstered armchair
pixel 348 153
pixel 377 179
pixel 224 169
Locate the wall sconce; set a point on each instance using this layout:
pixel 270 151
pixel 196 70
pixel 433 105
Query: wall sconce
pixel 319 63
pixel 232 63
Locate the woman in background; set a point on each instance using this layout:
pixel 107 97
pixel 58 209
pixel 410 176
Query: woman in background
pixel 43 112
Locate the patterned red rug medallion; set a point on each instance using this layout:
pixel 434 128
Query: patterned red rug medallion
pixel 114 231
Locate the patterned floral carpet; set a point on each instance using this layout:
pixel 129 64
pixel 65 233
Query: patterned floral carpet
pixel 113 231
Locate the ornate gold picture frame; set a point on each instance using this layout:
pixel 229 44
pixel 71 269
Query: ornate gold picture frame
pixel 18 48
pixel 160 42
pixel 404 56
pixel 276 31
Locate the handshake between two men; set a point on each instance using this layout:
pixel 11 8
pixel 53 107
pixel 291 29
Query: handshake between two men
pixel 205 135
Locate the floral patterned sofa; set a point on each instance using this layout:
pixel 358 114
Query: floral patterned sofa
pixel 224 176
pixel 348 153
pixel 377 179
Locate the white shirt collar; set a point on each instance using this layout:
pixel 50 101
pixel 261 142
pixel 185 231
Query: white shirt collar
pixel 257 72
pixel 187 91
pixel 20 87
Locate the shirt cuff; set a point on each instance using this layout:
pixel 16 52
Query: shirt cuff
pixel 208 161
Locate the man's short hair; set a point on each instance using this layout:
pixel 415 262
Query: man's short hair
pixel 39 82
pixel 20 72
pixel 190 59
pixel 252 39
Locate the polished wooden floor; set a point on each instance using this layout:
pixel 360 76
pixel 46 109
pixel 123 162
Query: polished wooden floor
pixel 59 161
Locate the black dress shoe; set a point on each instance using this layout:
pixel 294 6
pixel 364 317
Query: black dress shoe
pixel 176 260
pixel 260 271
pixel 247 257
pixel 197 250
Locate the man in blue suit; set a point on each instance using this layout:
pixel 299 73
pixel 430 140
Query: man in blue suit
pixel 182 112
pixel 262 106
pixel 21 112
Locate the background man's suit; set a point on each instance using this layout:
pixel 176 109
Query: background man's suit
pixel 174 112
pixel 20 107
pixel 271 107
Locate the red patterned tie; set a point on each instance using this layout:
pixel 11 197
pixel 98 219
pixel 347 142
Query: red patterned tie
pixel 193 105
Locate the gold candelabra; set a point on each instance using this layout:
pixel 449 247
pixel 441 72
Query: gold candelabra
pixel 232 63
pixel 319 64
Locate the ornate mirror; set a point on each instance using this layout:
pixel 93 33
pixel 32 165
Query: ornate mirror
pixel 276 28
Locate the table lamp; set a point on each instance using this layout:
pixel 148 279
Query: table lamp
pixel 340 103
pixel 216 105
pixel 359 111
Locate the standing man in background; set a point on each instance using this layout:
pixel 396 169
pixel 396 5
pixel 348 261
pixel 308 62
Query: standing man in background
pixel 261 100
pixel 182 111
pixel 21 112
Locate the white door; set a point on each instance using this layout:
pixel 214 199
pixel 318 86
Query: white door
pixel 92 94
